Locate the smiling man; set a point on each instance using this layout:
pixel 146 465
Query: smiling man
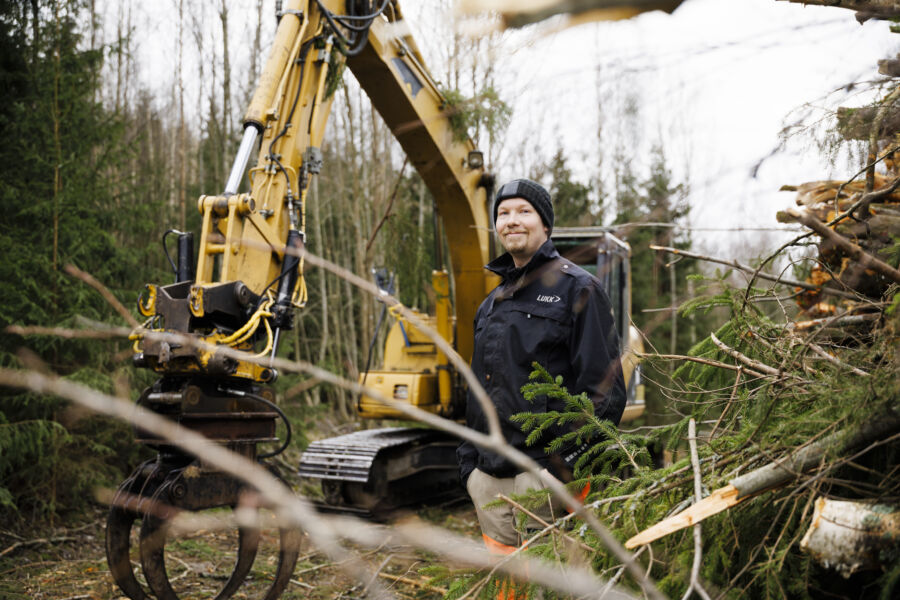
pixel 548 310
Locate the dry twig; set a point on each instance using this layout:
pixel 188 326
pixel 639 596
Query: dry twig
pixel 104 291
pixel 413 582
pixel 702 361
pixel 753 364
pixel 698 496
pixel 37 542
pixel 821 352
pixel 735 264
pixel 547 525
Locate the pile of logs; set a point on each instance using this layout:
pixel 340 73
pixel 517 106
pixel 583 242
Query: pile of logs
pixel 874 226
pixel 865 211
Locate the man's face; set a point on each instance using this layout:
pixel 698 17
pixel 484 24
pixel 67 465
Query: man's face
pixel 520 229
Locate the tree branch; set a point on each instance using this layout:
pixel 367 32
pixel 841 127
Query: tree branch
pixel 735 264
pixel 104 291
pixel 753 364
pixel 852 250
pixel 698 532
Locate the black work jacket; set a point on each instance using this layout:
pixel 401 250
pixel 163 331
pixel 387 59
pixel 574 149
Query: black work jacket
pixel 553 312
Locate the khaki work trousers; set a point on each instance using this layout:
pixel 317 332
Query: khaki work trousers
pixel 498 525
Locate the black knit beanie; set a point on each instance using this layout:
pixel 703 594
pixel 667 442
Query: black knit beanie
pixel 531 191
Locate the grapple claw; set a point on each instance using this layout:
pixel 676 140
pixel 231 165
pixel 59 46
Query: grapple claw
pixel 247 546
pixel 155 494
pixel 118 547
pixel 153 557
pixel 287 559
pixel 175 482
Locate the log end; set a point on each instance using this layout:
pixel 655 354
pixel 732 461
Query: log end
pixel 849 536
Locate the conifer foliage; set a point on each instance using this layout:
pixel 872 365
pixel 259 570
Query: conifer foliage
pixel 61 189
pixel 749 416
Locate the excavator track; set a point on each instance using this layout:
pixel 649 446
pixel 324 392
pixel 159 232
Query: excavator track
pixel 375 471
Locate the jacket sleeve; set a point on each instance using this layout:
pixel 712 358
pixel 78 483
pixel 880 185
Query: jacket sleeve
pixel 594 348
pixel 467 455
pixel 467 452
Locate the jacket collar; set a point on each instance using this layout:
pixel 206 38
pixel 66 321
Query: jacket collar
pixel 504 266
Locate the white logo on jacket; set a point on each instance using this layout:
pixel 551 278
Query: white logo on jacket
pixel 548 298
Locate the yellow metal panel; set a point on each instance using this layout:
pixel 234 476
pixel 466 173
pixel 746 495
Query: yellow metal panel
pixel 420 391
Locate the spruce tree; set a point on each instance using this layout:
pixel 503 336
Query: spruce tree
pixel 65 199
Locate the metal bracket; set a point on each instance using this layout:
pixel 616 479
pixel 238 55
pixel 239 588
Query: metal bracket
pixel 312 160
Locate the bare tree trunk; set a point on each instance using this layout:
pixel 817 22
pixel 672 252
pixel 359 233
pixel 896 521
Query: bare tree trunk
pixel 93 21
pixel 673 282
pixel 129 59
pixel 57 145
pixel 256 51
pixel 317 218
pixel 35 31
pixel 182 133
pixel 197 32
pixel 226 87
pixel 119 51
pixel 215 134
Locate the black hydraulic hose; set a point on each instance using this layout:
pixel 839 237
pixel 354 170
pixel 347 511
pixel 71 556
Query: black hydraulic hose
pixel 302 60
pixel 287 425
pixel 355 46
pixel 166 249
pixel 368 17
pixel 330 18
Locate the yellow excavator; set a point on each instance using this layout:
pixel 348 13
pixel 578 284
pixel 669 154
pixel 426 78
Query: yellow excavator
pixel 209 334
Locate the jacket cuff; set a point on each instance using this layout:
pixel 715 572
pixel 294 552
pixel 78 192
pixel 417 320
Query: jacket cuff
pixel 464 472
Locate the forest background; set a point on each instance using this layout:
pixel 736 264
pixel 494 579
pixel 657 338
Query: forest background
pixel 97 166
pixel 101 169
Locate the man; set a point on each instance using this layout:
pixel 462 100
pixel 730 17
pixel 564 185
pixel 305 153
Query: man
pixel 546 310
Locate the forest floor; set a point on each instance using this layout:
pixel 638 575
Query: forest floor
pixel 70 563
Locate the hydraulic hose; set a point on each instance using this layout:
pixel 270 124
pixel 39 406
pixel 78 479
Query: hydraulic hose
pixel 287 424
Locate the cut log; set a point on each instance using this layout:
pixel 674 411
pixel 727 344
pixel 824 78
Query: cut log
pixel 882 227
pixel 849 536
pixel 769 477
pixel 889 67
pixel 814 193
pixel 865 9
pixel 847 247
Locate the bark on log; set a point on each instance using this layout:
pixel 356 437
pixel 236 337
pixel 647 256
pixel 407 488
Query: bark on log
pixel 850 249
pixel 889 7
pixel 856 123
pixel 815 193
pixel 880 227
pixel 865 9
pixel 849 536
pixel 889 67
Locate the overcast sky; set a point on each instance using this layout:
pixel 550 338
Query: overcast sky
pixel 715 83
